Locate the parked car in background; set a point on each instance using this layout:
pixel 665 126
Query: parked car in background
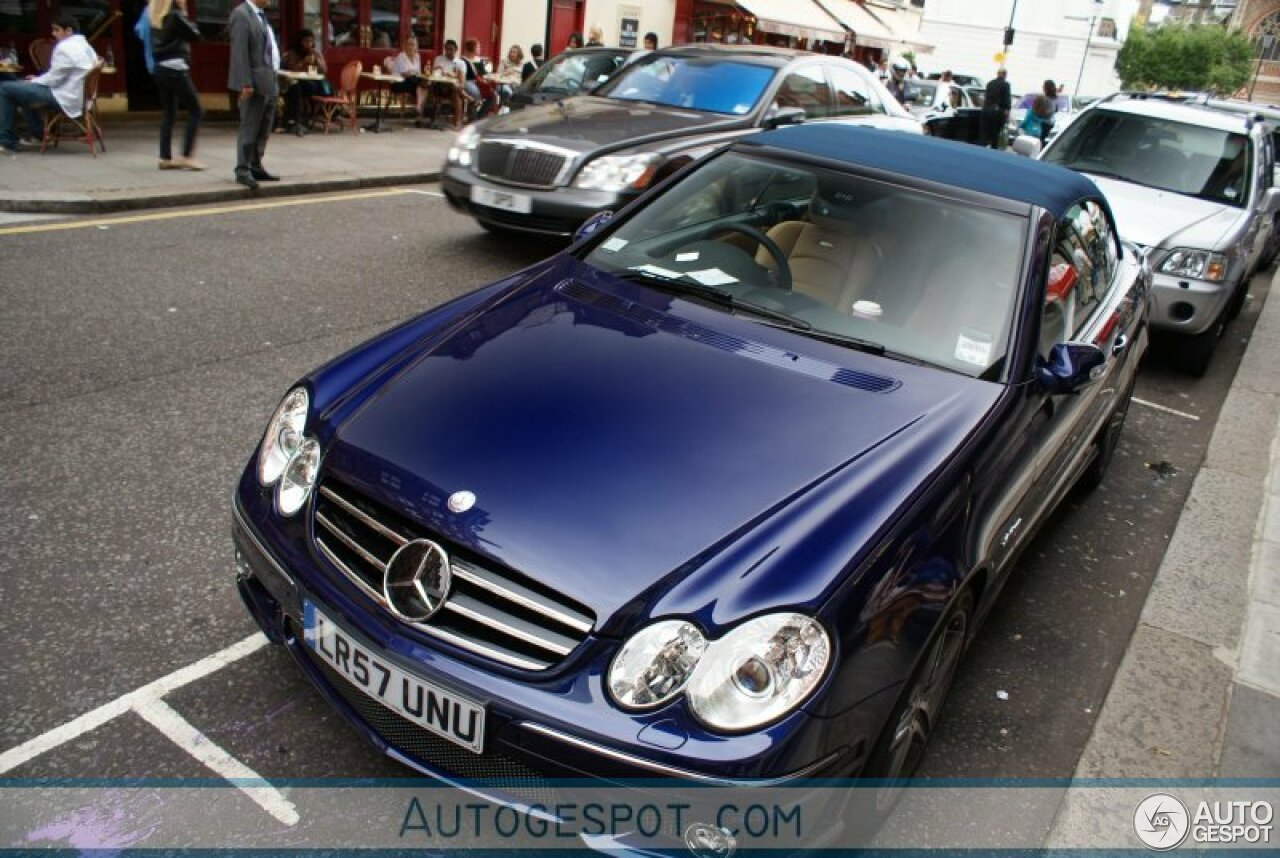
pixel 977 94
pixel 1193 186
pixel 965 80
pixel 547 168
pixel 570 73
pixel 1270 114
pixel 744 466
pixel 927 98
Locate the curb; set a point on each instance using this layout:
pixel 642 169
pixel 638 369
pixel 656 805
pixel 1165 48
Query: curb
pixel 109 202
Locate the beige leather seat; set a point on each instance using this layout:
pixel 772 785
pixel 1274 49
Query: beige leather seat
pixel 829 261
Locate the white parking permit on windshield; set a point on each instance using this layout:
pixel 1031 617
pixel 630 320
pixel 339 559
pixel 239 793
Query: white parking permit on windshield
pixel 657 272
pixel 691 256
pixel 613 245
pixel 973 347
pixel 711 277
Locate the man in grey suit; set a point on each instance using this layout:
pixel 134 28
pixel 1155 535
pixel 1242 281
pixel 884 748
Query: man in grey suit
pixel 255 59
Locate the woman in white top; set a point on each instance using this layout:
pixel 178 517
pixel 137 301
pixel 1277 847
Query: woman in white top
pixel 509 74
pixel 408 64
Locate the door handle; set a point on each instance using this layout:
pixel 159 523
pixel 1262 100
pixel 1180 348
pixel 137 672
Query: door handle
pixel 1121 343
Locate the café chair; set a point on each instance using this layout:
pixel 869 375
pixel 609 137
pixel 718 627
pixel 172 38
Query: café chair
pixel 86 127
pixel 345 99
pixel 40 51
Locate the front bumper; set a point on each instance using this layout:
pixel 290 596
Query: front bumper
pixel 1186 306
pixel 559 211
pixel 537 730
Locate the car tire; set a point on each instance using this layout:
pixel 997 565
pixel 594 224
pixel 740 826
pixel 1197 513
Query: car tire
pixel 1196 351
pixel 900 747
pixel 1239 295
pixel 1107 441
pixel 1273 247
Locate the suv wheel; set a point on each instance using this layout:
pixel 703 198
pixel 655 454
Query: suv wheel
pixel 1197 350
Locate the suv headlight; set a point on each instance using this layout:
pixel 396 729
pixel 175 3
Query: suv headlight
pixel 754 675
pixel 287 458
pixel 463 145
pixel 1196 264
pixel 617 172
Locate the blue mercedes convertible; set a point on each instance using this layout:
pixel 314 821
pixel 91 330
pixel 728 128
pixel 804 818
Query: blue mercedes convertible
pixel 722 490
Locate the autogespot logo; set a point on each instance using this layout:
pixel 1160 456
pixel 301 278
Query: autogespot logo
pixel 1161 822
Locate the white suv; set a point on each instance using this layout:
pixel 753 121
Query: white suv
pixel 1192 186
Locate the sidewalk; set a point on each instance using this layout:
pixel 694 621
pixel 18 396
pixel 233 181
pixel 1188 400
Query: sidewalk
pixel 68 180
pixel 1198 692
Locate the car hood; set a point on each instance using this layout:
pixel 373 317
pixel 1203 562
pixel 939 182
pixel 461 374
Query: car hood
pixel 1155 218
pixel 584 123
pixel 613 436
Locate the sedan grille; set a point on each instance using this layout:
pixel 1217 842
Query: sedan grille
pixel 521 165
pixel 488 611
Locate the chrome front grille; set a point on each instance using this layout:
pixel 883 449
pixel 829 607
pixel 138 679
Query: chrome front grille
pixel 488 611
pixel 520 164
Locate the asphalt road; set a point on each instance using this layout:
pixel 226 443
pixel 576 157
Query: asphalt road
pixel 143 356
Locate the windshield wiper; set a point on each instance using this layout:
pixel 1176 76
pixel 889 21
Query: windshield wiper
pixel 726 299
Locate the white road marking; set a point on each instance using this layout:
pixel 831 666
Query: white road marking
pixel 1166 409
pixel 424 193
pixel 147 702
pixel 166 719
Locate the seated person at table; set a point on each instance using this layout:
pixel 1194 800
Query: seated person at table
pixel 62 86
pixel 508 76
pixel 535 62
pixel 449 64
pixel 479 92
pixel 297 98
pixel 408 65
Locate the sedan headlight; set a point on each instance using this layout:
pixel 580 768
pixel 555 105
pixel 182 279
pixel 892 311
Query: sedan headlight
pixel 1196 264
pixel 617 172
pixel 463 145
pixel 754 675
pixel 655 664
pixel 759 672
pixel 284 436
pixel 299 478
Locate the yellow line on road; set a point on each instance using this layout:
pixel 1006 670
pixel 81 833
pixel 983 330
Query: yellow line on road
pixel 202 212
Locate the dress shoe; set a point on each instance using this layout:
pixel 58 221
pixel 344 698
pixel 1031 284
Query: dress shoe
pixel 188 164
pixel 167 164
pixel 263 176
pixel 248 181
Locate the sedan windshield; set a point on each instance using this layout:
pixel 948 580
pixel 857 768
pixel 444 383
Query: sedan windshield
pixel 1207 163
pixel 570 74
pixel 699 83
pixel 834 256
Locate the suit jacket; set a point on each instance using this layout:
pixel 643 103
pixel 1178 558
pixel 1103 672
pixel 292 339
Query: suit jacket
pixel 249 66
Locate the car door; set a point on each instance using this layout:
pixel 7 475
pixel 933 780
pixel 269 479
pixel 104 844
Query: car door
pixel 1087 297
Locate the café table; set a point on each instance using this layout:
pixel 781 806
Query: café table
pixel 382 80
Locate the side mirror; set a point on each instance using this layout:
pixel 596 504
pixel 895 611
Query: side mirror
pixel 1071 368
pixel 591 225
pixel 1026 146
pixel 1271 201
pixel 784 116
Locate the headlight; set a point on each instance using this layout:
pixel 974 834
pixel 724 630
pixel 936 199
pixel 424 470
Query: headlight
pixel 284 436
pixel 655 664
pixel 299 478
pixel 759 672
pixel 1196 264
pixel 463 145
pixel 617 172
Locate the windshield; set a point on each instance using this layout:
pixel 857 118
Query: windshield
pixel 570 74
pixel 833 255
pixel 1171 156
pixel 700 83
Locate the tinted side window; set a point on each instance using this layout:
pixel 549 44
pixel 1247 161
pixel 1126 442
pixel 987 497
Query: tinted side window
pixel 807 89
pixel 854 96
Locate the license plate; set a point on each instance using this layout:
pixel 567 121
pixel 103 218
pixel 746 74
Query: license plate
pixel 522 203
pixel 433 708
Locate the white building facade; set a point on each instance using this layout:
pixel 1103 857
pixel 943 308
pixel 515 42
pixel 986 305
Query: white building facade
pixel 1049 41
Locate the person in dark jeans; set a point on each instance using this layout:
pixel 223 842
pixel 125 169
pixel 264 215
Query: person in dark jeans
pixel 304 56
pixel 171 36
pixel 996 103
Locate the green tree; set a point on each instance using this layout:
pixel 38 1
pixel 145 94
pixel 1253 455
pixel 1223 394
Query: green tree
pixel 1179 56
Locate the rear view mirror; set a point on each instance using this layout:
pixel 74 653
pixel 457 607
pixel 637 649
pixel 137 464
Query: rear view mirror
pixel 1271 201
pixel 1071 367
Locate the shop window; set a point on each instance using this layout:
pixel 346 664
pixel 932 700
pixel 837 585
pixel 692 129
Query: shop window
pixel 385 24
pixel 90 14
pixel 344 25
pixel 211 17
pixel 426 23
pixel 313 20
pixel 18 16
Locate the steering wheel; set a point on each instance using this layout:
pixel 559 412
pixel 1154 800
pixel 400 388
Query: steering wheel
pixel 782 277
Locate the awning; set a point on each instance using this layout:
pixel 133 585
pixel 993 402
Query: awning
pixel 905 27
pixel 799 18
pixel 866 28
